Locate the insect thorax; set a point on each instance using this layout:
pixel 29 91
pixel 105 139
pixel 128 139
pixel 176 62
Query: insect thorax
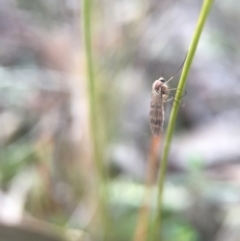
pixel 160 88
pixel 164 91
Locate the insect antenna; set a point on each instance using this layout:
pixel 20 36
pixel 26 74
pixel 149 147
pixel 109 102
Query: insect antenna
pixel 163 70
pixel 177 70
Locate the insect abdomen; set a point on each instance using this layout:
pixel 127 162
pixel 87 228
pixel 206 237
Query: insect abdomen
pixel 156 114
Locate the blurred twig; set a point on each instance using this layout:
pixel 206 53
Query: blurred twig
pixel 181 86
pixel 141 231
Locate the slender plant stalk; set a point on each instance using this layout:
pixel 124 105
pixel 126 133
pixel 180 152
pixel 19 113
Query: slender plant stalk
pixel 142 228
pixel 181 86
pixel 102 194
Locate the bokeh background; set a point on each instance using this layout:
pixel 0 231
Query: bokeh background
pixel 56 182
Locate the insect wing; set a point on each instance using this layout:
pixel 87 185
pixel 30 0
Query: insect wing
pixel 156 114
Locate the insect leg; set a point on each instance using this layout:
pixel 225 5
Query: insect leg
pixel 185 92
pixel 172 98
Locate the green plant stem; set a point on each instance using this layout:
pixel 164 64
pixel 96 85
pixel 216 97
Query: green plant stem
pixel 101 180
pixel 181 86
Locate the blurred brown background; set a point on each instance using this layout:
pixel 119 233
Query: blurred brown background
pixel 48 174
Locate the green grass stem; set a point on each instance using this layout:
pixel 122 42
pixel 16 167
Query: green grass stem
pixel 207 4
pixel 101 177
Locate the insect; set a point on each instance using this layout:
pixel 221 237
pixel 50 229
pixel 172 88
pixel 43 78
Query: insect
pixel 160 92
